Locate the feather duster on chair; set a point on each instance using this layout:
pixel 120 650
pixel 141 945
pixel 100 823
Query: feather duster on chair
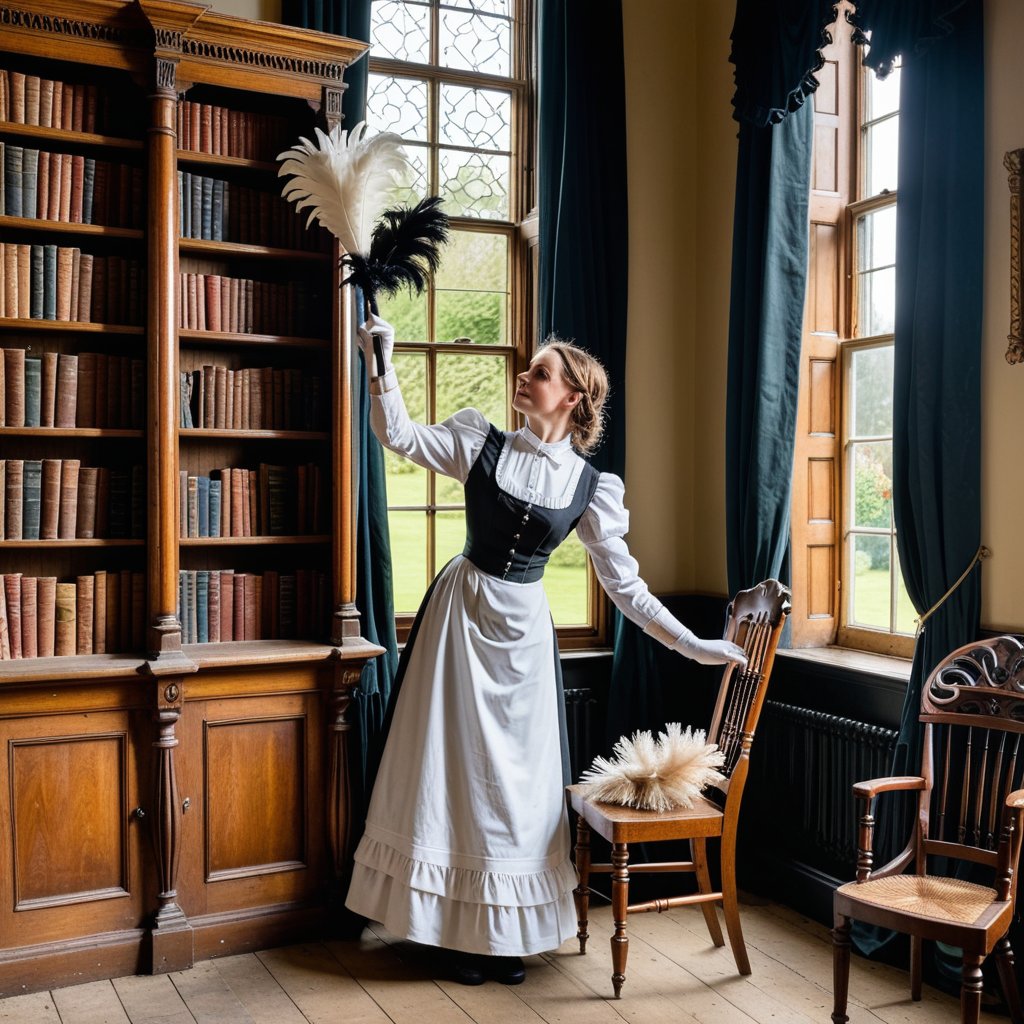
pixel 346 183
pixel 656 774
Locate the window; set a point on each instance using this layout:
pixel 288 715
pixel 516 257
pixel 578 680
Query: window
pixel 844 538
pixel 452 80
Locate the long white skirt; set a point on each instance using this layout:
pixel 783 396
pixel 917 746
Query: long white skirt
pixel 467 841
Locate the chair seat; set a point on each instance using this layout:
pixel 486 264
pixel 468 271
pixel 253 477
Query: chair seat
pixel 930 896
pixel 620 824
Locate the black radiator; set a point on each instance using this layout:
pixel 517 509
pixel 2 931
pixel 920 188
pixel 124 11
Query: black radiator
pixel 579 719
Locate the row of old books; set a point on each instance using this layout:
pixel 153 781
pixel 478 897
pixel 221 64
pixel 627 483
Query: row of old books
pixel 60 499
pixel 222 211
pixel 91 389
pixel 258 398
pixel 272 501
pixel 42 617
pixel 207 128
pixel 56 282
pixel 220 605
pixel 238 305
pixel 29 99
pixel 41 185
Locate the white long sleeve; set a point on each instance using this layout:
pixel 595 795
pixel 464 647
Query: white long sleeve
pixel 450 447
pixel 601 530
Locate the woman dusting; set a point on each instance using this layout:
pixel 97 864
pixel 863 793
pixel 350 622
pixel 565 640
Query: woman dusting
pixel 467 842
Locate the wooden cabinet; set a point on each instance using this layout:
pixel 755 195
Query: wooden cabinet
pixel 173 727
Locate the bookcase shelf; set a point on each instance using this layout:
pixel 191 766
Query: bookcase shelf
pixel 68 228
pixel 232 250
pixel 225 339
pixel 190 156
pixel 69 432
pixel 203 542
pixel 82 542
pixel 66 135
pixel 67 326
pixel 202 433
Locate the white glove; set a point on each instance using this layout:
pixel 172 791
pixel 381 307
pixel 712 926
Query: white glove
pixel 374 325
pixel 710 652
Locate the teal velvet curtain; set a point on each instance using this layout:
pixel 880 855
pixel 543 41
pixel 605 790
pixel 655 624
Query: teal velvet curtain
pixel 374 588
pixel 583 255
pixel 937 374
pixel 769 276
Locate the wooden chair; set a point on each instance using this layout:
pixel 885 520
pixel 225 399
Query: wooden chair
pixel 968 810
pixel 755 619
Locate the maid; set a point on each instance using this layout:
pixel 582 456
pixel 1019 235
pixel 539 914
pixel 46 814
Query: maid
pixel 467 842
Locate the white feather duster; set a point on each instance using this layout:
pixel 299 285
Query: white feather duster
pixel 656 774
pixel 345 181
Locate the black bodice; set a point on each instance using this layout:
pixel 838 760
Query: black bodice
pixel 509 537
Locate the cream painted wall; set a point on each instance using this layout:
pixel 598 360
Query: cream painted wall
pixel 1002 482
pixel 260 10
pixel 661 111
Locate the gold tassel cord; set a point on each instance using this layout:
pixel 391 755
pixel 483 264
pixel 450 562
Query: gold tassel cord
pixel 982 553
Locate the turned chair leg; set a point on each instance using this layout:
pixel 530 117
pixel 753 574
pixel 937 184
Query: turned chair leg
pixel 581 894
pixel 730 905
pixel 915 968
pixel 699 856
pixel 840 968
pixel 1008 979
pixel 620 901
pixel 970 989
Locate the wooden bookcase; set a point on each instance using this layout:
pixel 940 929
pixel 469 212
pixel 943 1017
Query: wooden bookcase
pixel 171 799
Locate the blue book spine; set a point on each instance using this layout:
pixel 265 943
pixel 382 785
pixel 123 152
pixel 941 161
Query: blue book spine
pixel 12 180
pixel 49 282
pixel 38 287
pixel 33 395
pixel 31 486
pixel 29 181
pixel 215 486
pixel 207 209
pixel 202 605
pixel 203 489
pixel 185 203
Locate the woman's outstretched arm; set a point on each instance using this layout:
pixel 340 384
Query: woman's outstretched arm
pixel 450 447
pixel 602 529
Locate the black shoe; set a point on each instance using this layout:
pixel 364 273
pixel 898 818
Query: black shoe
pixel 509 970
pixel 465 968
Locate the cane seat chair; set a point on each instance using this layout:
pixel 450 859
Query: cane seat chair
pixel 754 621
pixel 969 807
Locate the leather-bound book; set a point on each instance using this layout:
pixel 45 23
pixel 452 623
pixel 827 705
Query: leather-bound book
pixel 76 265
pixel 85 275
pixel 100 397
pixel 192 507
pixel 13 498
pixel 53 187
pixel 85 527
pixel 65 259
pixel 37 284
pixel 239 610
pixel 88 189
pixel 256 400
pixel 3 498
pixel 33 390
pixel 3 365
pixel 213 311
pixel 226 529
pixel 271 621
pixel 10 296
pixel 125 611
pixel 78 108
pixel 57 107
pixel 286 605
pixel 90 116
pixel 68 518
pixel 32 483
pixel 46 599
pixel 213 606
pixel 25 281
pixel 50 501
pixel 252 499
pixel 12 595
pixel 48 390
pixel 205 128
pixel 67 391
pixel 99 613
pixel 138 634
pixel 65 188
pixel 14 386
pixel 239 506
pixel 65 625
pixel 103 502
pixel 5 638
pixel 220 420
pixel 29 617
pixel 84 598
pixel 77 189
pixel 302 609
pixel 244 400
pixel 190 606
pixel 43 186
pixel 45 102
pixel 227 605
pixel 202 606
pixel 29 182
pixel 255 586
pixel 113 619
pixel 100 192
pixel 13 156
pixel 85 416
pixel 49 282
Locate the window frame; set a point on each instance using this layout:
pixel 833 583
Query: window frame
pixel 522 233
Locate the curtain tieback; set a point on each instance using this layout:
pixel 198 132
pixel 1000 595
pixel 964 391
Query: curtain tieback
pixel 982 552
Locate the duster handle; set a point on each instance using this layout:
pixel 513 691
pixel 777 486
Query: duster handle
pixel 378 348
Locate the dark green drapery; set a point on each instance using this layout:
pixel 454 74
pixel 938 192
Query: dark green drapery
pixel 374 589
pixel 769 276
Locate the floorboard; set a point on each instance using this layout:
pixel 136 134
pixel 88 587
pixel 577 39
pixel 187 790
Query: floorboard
pixel 674 975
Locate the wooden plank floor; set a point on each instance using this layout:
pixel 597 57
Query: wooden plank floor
pixel 674 975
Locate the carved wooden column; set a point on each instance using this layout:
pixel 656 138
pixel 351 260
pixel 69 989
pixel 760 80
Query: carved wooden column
pixel 1012 162
pixel 339 786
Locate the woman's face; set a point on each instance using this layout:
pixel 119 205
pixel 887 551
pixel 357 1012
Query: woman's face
pixel 542 390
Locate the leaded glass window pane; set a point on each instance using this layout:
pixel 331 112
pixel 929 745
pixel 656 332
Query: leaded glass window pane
pixel 475 184
pixel 475 42
pixel 475 118
pixel 400 30
pixel 397 105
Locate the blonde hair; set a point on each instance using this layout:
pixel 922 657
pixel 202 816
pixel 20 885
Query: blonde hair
pixel 585 374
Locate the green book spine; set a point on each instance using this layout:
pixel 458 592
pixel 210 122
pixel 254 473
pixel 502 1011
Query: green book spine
pixel 33 390
pixel 29 178
pixel 49 282
pixel 37 285
pixel 202 606
pixel 32 481
pixel 215 486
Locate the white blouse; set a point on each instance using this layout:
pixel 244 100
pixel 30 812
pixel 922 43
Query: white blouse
pixel 534 471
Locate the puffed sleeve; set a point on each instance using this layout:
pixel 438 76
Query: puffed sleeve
pixel 450 447
pixel 601 530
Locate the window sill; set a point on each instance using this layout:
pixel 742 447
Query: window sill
pixel 884 666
